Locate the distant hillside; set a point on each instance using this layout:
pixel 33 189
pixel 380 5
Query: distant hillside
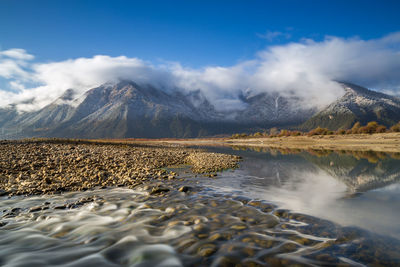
pixel 358 104
pixel 126 109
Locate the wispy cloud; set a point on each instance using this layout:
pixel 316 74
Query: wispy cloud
pixel 13 63
pixel 274 35
pixel 306 70
pixel 16 53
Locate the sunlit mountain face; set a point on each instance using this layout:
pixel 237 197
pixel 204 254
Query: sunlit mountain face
pixel 126 109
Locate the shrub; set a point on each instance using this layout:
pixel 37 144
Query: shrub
pixel 257 134
pixel 319 131
pixel 395 128
pixel 283 133
pixel 273 131
pixel 380 129
pixel 237 135
pixel 355 128
pixel 341 131
pixel 370 128
pixel 295 133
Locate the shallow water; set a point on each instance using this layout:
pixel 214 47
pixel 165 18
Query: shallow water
pixel 238 218
pixel 349 188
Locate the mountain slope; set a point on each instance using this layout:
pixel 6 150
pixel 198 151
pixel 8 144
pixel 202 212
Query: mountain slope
pixel 126 109
pixel 273 110
pixel 357 104
pixel 129 110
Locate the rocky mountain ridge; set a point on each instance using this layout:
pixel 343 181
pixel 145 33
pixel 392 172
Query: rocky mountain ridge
pixel 357 104
pixel 126 109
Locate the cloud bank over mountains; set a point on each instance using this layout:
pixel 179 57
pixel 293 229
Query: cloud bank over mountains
pixel 306 70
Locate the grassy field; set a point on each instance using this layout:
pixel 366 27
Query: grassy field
pixel 382 142
pixel 379 142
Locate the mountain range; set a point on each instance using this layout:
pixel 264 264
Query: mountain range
pixel 357 104
pixel 126 109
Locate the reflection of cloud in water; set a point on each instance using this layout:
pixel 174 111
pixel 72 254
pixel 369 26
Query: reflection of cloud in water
pixel 320 186
pixel 308 192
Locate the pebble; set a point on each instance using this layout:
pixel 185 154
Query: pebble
pixel 207 250
pixel 184 188
pixel 34 209
pixel 37 167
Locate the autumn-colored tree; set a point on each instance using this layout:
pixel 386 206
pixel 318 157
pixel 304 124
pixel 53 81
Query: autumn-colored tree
pixel 370 128
pixel 341 131
pixel 257 134
pixel 380 129
pixel 283 132
pixel 273 131
pixel 295 133
pixel 355 127
pixel 395 128
pixel 237 135
pixel 319 131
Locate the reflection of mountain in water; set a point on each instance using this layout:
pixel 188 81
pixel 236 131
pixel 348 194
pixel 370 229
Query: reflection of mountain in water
pixel 360 171
pixel 359 175
pixel 268 169
pixel 277 170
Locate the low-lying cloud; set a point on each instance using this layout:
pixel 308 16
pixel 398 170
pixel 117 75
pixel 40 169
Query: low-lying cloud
pixel 305 70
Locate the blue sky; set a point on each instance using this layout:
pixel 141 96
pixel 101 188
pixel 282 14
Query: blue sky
pixel 223 48
pixel 194 33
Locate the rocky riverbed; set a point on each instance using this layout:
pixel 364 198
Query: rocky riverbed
pixel 181 226
pixel 49 167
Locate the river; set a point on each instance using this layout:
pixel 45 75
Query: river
pixel 280 208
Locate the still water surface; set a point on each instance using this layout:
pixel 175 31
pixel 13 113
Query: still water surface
pixel 350 188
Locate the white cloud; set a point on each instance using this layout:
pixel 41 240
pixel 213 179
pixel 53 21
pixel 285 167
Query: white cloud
pixel 16 53
pixel 13 63
pixel 16 85
pixel 221 85
pixel 305 70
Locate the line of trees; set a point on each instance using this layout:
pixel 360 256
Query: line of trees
pixel 371 128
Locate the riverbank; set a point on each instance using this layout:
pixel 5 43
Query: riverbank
pixel 43 167
pixel 383 142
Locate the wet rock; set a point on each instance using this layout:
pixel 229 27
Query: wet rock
pixel 216 237
pixel 35 209
pixel 3 192
pixel 207 250
pixel 184 188
pixel 15 210
pixel 158 190
pixel 238 227
pixel 226 261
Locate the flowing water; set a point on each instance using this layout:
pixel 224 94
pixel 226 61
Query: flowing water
pixel 317 208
